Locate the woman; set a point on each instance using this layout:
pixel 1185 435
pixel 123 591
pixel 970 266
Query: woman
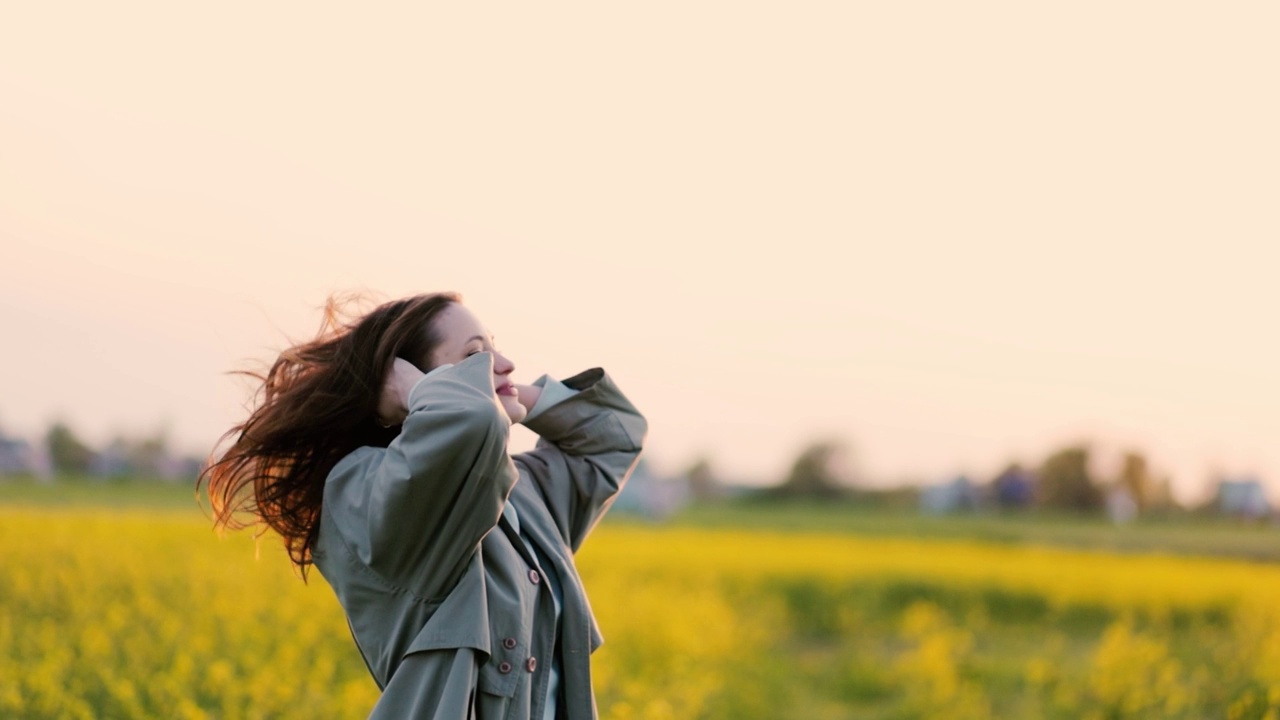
pixel 378 451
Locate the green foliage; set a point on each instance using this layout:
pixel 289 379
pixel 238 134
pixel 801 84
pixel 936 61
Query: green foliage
pixel 67 452
pixel 1066 484
pixel 1152 494
pixel 703 485
pixel 816 473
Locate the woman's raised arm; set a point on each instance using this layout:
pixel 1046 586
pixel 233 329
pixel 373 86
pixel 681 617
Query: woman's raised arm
pixel 588 445
pixel 416 511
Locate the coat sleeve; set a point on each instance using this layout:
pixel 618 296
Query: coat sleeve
pixel 588 445
pixel 416 511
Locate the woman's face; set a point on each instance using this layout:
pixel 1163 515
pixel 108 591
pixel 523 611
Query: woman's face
pixel 461 336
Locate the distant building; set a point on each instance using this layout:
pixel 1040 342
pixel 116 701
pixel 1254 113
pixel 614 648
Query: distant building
pixel 19 457
pixel 958 495
pixel 1122 508
pixel 113 461
pixel 1243 498
pixel 1014 488
pixel 144 459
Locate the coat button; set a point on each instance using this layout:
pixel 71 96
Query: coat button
pixel 531 664
pixel 533 576
pixel 504 668
pixel 509 643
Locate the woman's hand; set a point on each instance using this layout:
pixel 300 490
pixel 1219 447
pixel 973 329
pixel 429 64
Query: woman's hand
pixel 529 395
pixel 393 403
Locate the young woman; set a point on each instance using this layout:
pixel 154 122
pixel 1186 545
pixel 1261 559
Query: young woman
pixel 378 451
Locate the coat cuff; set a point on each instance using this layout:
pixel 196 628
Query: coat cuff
pixel 595 418
pixel 554 392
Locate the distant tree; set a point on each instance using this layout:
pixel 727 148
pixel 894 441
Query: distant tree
pixel 1140 482
pixel 67 453
pixel 1162 495
pixel 147 455
pixel 703 485
pixel 1065 482
pixel 816 472
pixel 1135 479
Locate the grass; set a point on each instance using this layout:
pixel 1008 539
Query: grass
pixel 1180 535
pixel 99 493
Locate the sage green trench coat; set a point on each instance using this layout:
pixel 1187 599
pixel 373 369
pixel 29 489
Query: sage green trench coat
pixel 448 607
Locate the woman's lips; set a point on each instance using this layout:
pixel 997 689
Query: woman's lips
pixel 507 389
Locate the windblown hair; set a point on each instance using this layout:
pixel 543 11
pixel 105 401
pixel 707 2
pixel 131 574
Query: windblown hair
pixel 317 403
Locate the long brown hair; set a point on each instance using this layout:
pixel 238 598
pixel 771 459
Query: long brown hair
pixel 318 402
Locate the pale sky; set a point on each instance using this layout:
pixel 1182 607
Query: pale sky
pixel 949 234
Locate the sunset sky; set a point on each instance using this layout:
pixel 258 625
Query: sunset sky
pixel 949 234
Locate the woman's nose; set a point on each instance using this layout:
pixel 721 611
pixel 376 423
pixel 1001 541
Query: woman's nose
pixel 501 365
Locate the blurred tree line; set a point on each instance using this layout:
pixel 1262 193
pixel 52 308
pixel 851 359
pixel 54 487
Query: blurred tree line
pixel 63 452
pixel 1066 480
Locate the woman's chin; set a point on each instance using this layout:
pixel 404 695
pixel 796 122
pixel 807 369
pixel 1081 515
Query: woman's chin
pixel 514 409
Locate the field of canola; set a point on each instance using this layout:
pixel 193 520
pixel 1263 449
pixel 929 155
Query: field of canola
pixel 147 614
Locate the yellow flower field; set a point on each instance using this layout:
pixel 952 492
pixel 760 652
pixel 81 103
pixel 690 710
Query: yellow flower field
pixel 148 614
